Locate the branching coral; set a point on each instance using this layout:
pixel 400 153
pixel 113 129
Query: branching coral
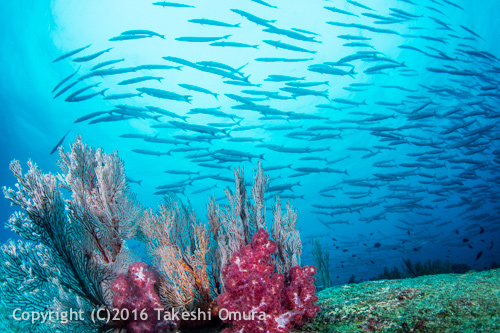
pixel 179 246
pixel 73 249
pixel 233 226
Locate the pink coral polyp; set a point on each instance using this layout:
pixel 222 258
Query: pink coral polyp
pixel 252 288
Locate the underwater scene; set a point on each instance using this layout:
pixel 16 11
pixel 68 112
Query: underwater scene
pixel 250 166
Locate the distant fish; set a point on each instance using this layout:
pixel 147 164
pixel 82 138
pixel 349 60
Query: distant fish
pixel 90 116
pixel 122 96
pixel 59 143
pixel 128 37
pixel 340 11
pixel 106 63
pixel 199 89
pixel 253 18
pixel 470 31
pixel 91 56
pixel 69 54
pixel 281 45
pixel 64 80
pixel 142 32
pixel 150 152
pixel 214 23
pixel 479 255
pixel 305 31
pixel 139 79
pixel 357 4
pixel 82 98
pixel 171 4
pixel 201 39
pixel 233 44
pixel 130 180
pixel 282 59
pixel 264 3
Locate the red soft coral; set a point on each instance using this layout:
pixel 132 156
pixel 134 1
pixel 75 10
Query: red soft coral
pixel 135 296
pixel 256 298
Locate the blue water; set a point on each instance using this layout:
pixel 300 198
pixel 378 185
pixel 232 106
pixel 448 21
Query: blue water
pixel 34 33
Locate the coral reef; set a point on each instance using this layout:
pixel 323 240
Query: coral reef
pixel 256 297
pixel 137 303
pixel 74 255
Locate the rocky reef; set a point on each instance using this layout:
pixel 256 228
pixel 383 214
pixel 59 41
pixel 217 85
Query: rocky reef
pixel 434 303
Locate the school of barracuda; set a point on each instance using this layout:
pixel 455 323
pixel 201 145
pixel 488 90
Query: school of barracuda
pixel 388 116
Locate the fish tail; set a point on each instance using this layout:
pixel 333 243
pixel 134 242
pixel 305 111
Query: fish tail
pixel 103 91
pixel 262 156
pixel 215 95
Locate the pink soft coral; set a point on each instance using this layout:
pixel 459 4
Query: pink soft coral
pixel 257 299
pixel 135 293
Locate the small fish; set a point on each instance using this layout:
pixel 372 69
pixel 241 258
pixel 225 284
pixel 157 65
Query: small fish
pixel 264 3
pixel 281 59
pixel 88 96
pixel 479 255
pixel 199 89
pixel 340 11
pixel 171 4
pixel 150 152
pixel 69 54
pixel 201 39
pixel 233 44
pixel 130 180
pixel 91 56
pixel 281 45
pixel 140 79
pixel 122 96
pixel 214 23
pixel 106 63
pixel 142 32
pixel 64 80
pixel 357 4
pixel 90 116
pixel 128 37
pixel 59 143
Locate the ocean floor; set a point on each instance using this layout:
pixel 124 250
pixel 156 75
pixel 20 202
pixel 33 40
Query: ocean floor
pixel 434 303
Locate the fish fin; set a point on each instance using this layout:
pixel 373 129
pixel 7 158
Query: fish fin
pixel 240 68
